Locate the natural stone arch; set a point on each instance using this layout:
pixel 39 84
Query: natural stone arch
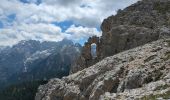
pixel 86 51
pixel 94 50
pixel 94 40
pixel 86 59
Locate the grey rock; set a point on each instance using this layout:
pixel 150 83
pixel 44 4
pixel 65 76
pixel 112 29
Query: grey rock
pixel 116 77
pixel 136 25
pixel 133 59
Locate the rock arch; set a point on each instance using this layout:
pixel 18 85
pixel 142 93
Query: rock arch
pixel 86 59
pixel 93 50
pixel 86 52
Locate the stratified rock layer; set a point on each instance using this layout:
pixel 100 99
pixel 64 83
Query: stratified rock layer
pixel 134 74
pixel 143 22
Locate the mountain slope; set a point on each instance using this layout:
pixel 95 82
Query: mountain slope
pixel 136 73
pixel 21 91
pixel 33 60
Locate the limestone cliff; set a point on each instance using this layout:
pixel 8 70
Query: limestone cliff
pixel 136 25
pixel 138 43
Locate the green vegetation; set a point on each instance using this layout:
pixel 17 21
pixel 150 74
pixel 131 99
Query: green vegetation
pixel 162 9
pixel 162 87
pixel 106 98
pixel 154 97
pixel 22 91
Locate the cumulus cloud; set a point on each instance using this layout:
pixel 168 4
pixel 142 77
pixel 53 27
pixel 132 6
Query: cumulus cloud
pixel 42 32
pixel 80 32
pixel 33 18
pixel 60 10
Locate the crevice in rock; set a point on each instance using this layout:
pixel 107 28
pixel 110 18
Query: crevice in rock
pixel 114 88
pixel 150 58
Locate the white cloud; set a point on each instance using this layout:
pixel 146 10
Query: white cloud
pixel 60 10
pixel 78 33
pixel 34 21
pixel 42 32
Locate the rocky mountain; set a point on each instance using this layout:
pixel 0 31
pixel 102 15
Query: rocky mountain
pixel 34 60
pixel 142 72
pixel 3 47
pixel 138 24
pixel 132 63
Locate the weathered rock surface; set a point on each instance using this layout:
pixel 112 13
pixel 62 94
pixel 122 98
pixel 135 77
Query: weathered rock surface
pixel 143 22
pixel 86 58
pixel 137 41
pixel 139 73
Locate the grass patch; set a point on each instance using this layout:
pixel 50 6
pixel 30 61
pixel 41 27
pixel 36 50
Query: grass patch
pixel 154 97
pixel 162 87
pixel 106 98
pixel 162 7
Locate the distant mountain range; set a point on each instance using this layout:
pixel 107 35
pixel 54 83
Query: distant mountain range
pixel 33 60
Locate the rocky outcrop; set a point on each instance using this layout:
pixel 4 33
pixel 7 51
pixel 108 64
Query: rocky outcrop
pixel 86 58
pixel 137 41
pixel 143 22
pixel 139 73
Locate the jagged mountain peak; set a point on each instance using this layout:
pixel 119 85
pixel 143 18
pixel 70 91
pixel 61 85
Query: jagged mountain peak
pixel 34 60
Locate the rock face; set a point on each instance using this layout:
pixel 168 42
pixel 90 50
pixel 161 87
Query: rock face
pixel 142 72
pixel 136 25
pixel 86 58
pixel 137 41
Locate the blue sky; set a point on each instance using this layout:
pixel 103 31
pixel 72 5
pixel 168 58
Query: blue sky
pixel 53 20
pixel 31 1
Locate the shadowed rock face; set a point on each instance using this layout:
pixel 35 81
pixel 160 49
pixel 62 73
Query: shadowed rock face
pixel 136 25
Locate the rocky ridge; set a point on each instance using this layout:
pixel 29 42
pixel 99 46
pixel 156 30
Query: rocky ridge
pixel 134 74
pixel 136 25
